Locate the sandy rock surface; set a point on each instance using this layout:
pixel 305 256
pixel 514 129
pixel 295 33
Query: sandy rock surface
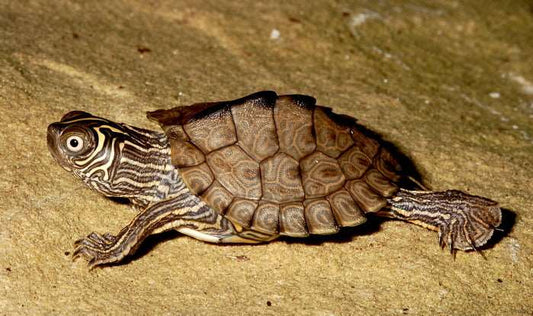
pixel 449 82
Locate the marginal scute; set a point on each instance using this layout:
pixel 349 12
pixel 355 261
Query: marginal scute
pixel 366 198
pixel 266 218
pixel 346 211
pixel 365 143
pixel 217 197
pixel 388 165
pixel 281 179
pixel 331 138
pixel 354 163
pixel 380 183
pixel 294 125
pixel 292 220
pixel 197 178
pixel 241 211
pixel 319 218
pixel 321 175
pixel 256 130
pixel 212 132
pixel 236 171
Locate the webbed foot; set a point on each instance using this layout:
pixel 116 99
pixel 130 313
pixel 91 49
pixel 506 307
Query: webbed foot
pixel 468 228
pixel 464 221
pixel 98 249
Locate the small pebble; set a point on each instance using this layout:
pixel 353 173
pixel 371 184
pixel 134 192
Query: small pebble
pixel 275 34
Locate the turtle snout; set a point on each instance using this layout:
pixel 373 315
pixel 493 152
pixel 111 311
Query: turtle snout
pixel 52 139
pixel 52 135
pixel 54 128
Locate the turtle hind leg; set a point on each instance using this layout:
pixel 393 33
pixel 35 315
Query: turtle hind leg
pixel 186 214
pixel 463 221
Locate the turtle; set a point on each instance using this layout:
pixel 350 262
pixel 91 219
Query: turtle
pixel 251 170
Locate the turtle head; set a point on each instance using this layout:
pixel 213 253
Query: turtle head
pixel 73 141
pixel 113 158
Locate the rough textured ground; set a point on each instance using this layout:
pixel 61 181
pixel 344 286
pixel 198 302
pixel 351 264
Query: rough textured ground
pixel 450 82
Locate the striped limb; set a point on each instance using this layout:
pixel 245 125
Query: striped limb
pixel 463 221
pixel 186 214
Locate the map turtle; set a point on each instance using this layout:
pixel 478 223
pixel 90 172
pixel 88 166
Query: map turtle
pixel 251 170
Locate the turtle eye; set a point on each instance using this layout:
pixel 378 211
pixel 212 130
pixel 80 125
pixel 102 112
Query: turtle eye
pixel 74 143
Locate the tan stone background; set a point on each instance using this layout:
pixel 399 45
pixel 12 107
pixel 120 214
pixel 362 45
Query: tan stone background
pixel 450 82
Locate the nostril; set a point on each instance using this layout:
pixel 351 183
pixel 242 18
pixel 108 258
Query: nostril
pixel 52 134
pixel 53 129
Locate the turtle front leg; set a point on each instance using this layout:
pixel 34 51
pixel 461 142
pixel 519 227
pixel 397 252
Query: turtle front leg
pixel 463 221
pixel 189 215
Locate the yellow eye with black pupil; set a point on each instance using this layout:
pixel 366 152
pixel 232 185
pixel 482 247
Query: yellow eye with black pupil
pixel 74 143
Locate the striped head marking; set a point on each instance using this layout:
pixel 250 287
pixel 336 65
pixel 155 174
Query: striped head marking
pixel 109 157
pixel 84 144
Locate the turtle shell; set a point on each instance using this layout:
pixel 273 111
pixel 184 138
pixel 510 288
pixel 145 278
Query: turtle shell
pixel 280 164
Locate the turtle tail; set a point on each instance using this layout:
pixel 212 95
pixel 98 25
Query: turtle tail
pixel 463 221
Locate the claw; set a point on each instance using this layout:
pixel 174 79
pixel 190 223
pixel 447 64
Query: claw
pixel 452 239
pixel 442 238
pixel 74 257
pixel 454 253
pixel 96 249
pixel 78 253
pixel 92 264
pixel 475 248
